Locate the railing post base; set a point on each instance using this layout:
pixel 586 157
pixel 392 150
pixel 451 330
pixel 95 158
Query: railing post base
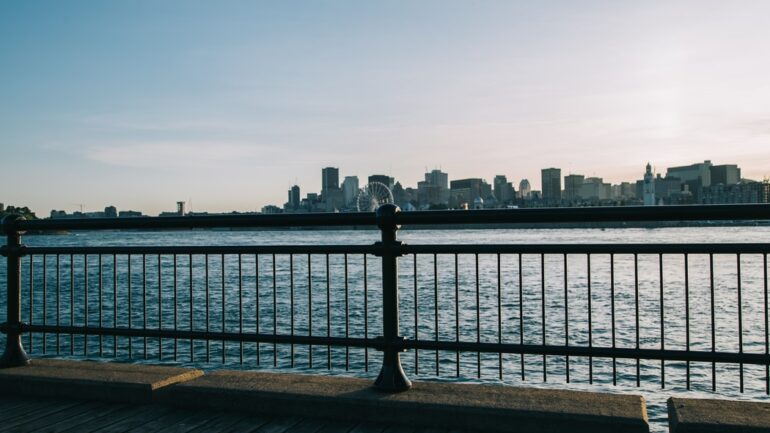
pixel 14 355
pixel 392 378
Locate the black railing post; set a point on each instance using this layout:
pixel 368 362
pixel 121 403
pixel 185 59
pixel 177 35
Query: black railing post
pixel 14 355
pixel 392 376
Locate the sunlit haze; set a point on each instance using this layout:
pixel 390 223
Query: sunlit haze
pixel 139 104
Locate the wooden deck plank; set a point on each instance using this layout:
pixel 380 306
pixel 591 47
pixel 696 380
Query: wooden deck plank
pixel 44 409
pixel 248 423
pixel 107 414
pixel 21 407
pixel 172 420
pixel 307 426
pixel 277 425
pixel 369 427
pixel 219 423
pixel 49 422
pixel 139 415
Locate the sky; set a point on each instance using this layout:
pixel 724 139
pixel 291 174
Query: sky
pixel 227 104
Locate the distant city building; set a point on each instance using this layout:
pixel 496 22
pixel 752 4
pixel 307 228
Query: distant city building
pixel 129 214
pixel 503 190
pixel 350 189
pixel 524 189
pixel 2 207
pixel 463 192
pixel 110 212
pixel 648 192
pixel 381 178
pixel 330 179
pixel 181 208
pixel 551 185
pixel 595 190
pixel 572 185
pixel 695 176
pixel 726 174
pixel 294 198
pixel 743 192
pixel 433 192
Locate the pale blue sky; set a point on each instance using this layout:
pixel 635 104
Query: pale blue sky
pixel 143 103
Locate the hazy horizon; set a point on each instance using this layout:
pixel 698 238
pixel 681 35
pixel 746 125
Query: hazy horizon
pixel 140 104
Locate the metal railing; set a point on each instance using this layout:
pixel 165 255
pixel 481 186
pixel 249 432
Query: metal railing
pixel 593 310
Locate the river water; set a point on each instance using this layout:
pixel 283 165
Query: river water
pixel 441 297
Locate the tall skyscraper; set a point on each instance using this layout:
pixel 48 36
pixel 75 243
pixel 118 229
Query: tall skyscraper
pixel 294 197
pixel 330 179
pixel 551 185
pixel 649 186
pixel 524 189
pixel 572 185
pixel 350 189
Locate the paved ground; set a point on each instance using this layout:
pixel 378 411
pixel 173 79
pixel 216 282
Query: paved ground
pixel 28 414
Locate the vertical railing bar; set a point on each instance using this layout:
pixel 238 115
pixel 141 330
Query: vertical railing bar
pixel 767 331
pixel 636 315
pixel 85 307
pixel 72 302
pixel 192 313
pixel 499 319
pixel 590 322
pixel 612 318
pixel 347 316
pixel 457 315
pixel 45 300
pixel 144 300
pixel 115 303
pixel 208 342
pixel 478 319
pixel 176 301
pixel 275 315
pixel 240 304
pixel 160 308
pixel 31 297
pixel 662 323
pixel 435 306
pixel 100 304
pixel 416 329
pixel 713 323
pixel 329 313
pixel 309 309
pixel 291 304
pixel 366 309
pixel 521 316
pixel 542 313
pixel 566 316
pixel 256 304
pixel 130 310
pixel 224 306
pixel 740 318
pixel 58 301
pixel 687 312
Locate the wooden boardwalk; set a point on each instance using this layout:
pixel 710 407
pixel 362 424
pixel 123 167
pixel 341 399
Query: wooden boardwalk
pixel 32 414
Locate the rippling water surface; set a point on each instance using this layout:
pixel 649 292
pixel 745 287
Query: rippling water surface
pixel 529 299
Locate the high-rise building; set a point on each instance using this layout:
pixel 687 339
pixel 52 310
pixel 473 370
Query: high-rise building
pixel 463 192
pixel 438 178
pixel 524 189
pixel 383 179
pixel 330 179
pixel 350 189
pixel 572 185
pixel 726 174
pixel 551 185
pixel 294 197
pixel 181 208
pixel 110 212
pixel 649 186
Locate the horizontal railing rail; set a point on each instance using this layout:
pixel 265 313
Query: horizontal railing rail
pixel 464 308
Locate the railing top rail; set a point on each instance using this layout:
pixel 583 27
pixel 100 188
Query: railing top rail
pixel 448 217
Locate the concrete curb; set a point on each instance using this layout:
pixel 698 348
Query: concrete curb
pixel 104 381
pixel 689 415
pixel 462 406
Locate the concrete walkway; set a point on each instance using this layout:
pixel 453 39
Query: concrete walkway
pixel 187 396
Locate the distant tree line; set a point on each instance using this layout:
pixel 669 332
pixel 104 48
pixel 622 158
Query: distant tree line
pixel 18 210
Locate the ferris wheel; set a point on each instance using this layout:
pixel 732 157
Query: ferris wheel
pixel 373 196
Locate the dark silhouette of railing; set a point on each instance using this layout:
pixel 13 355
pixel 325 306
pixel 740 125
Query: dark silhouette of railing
pixel 525 332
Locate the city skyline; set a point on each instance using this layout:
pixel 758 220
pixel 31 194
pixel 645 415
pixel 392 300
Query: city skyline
pixel 143 104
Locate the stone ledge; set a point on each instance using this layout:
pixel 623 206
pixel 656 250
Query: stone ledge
pixel 106 381
pixel 462 406
pixel 689 415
